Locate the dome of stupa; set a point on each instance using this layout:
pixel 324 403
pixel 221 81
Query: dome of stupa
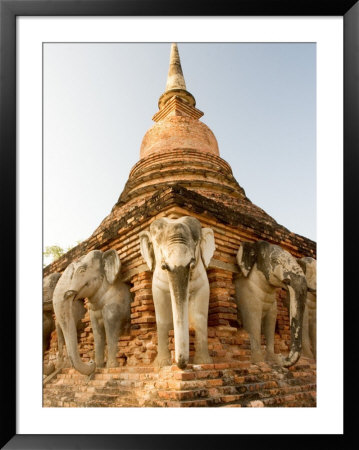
pixel 178 133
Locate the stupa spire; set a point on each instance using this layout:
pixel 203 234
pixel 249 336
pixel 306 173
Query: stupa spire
pixel 176 100
pixel 175 78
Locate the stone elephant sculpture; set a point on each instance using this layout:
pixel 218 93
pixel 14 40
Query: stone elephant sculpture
pixel 48 322
pixel 264 267
pixel 309 338
pixel 178 252
pixel 78 309
pixel 94 276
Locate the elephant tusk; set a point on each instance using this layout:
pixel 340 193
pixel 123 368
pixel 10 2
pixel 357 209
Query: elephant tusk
pixel 69 294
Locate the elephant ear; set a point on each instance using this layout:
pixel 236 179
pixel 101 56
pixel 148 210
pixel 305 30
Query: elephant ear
pixel 309 267
pixel 67 274
pixel 63 284
pixel 194 225
pixel 111 264
pixel 147 249
pixel 54 278
pixel 312 275
pixel 246 257
pixel 301 262
pixel 207 245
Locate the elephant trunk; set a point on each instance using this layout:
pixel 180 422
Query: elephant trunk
pixel 178 282
pixel 68 326
pixel 297 295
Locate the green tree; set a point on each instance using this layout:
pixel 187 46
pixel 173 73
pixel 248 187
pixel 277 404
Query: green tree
pixel 55 252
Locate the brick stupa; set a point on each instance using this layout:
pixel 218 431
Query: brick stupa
pixel 180 172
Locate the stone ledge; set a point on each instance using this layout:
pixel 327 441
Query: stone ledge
pixel 176 195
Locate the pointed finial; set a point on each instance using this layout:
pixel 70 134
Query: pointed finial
pixel 175 79
pixel 176 86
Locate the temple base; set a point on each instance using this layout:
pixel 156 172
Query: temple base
pixel 237 384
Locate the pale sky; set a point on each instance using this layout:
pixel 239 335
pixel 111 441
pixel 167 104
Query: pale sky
pixel 258 99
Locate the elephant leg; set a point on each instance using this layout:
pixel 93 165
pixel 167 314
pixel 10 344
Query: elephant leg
pixel 49 368
pixel 164 321
pixel 306 350
pixel 99 337
pixel 249 300
pixel 253 326
pixel 112 321
pixel 198 319
pixel 312 325
pixel 48 325
pixel 269 332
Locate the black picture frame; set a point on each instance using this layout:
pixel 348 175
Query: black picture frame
pixel 9 10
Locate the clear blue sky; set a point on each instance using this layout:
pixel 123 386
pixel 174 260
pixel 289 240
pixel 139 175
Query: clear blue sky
pixel 258 99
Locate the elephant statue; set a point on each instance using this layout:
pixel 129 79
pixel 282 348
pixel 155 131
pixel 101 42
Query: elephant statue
pixel 309 338
pixel 48 322
pixel 178 251
pixel 264 267
pixel 94 276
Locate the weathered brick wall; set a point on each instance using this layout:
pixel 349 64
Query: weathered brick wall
pixel 222 306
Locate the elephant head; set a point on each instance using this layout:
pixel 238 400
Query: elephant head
pixel 270 266
pixel 93 273
pixel 177 251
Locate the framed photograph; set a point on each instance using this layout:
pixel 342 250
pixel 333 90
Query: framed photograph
pixel 59 65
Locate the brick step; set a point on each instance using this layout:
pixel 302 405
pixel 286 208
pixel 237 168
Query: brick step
pixel 85 399
pixel 223 391
pixel 116 370
pixel 89 404
pixel 301 365
pixel 299 399
pixel 70 391
pixel 188 403
pixel 100 382
pixel 231 384
pixel 275 392
pixel 183 392
pixel 301 381
pixel 83 392
pixel 213 401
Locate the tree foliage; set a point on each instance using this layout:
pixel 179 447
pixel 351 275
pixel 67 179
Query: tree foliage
pixel 53 252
